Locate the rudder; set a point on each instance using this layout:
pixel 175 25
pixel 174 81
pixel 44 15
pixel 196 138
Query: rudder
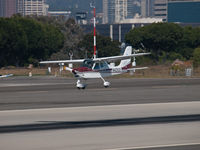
pixel 128 51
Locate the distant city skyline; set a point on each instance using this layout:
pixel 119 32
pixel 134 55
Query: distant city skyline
pixel 8 8
pixel 108 11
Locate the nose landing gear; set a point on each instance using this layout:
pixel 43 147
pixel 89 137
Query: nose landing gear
pixel 80 85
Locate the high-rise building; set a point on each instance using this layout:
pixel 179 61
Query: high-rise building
pixel 147 7
pixel 32 7
pixel 117 10
pixel 185 11
pixel 8 8
pixel 2 8
pixel 160 9
pixel 109 11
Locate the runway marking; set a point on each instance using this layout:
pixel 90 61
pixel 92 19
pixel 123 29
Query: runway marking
pixel 102 89
pixel 96 107
pixel 32 92
pixel 154 146
pixel 172 86
pixel 32 84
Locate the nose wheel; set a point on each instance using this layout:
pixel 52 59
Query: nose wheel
pixel 80 85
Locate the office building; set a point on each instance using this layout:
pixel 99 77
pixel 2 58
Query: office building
pixel 160 9
pixel 147 7
pixel 117 10
pixel 8 8
pixel 32 7
pixel 2 8
pixel 184 11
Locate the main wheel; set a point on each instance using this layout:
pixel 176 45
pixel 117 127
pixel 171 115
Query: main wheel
pixel 81 86
pixel 106 84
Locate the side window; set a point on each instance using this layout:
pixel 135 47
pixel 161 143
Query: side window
pixel 90 64
pixel 104 65
pixel 97 66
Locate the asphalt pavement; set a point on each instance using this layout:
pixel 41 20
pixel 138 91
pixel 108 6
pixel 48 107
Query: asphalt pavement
pixel 50 92
pixel 49 113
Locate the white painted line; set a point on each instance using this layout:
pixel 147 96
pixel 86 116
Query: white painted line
pixel 194 103
pixel 154 146
pixel 32 92
pixel 32 84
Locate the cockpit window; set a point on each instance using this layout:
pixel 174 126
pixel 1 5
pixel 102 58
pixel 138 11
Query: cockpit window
pixel 104 65
pixel 97 66
pixel 88 63
pixel 100 65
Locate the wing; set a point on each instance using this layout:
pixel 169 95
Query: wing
pixel 62 61
pixel 115 58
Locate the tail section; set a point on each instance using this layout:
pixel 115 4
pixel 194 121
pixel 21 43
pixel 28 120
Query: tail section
pixel 126 62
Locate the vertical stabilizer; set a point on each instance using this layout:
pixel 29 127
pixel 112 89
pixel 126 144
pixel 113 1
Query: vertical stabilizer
pixel 128 51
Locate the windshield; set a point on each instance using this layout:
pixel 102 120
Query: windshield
pixel 100 65
pixel 88 63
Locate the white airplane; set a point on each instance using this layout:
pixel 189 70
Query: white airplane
pixel 5 76
pixel 99 67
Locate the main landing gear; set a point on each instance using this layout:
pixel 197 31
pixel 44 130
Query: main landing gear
pixel 80 85
pixel 105 83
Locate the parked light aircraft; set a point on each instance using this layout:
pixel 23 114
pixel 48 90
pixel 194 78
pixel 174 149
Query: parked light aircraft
pixel 5 76
pixel 99 67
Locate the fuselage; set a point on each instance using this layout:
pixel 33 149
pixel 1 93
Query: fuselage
pixel 90 69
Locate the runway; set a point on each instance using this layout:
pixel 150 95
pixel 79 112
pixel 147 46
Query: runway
pixel 117 127
pixel 48 113
pixel 50 92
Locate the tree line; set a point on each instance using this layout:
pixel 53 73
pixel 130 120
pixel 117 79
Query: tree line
pixel 167 41
pixel 28 40
pixel 25 40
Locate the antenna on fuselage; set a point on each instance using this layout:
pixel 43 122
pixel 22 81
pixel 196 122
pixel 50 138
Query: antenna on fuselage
pixel 92 6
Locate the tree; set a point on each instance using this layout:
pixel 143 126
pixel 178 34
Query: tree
pixel 196 57
pixel 26 40
pixel 72 33
pixel 13 43
pixel 165 40
pixel 105 47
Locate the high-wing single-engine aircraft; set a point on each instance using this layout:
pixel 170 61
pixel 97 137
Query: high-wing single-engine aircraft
pixel 100 67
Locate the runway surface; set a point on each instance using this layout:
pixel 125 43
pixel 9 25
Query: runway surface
pixel 119 127
pixel 48 113
pixel 46 92
pixel 129 137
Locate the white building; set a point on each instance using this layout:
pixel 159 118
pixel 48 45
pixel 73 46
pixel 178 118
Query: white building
pixel 117 10
pixel 160 9
pixel 147 7
pixel 32 7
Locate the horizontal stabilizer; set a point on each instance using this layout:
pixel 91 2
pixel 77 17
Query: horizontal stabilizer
pixel 140 68
pixel 62 61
